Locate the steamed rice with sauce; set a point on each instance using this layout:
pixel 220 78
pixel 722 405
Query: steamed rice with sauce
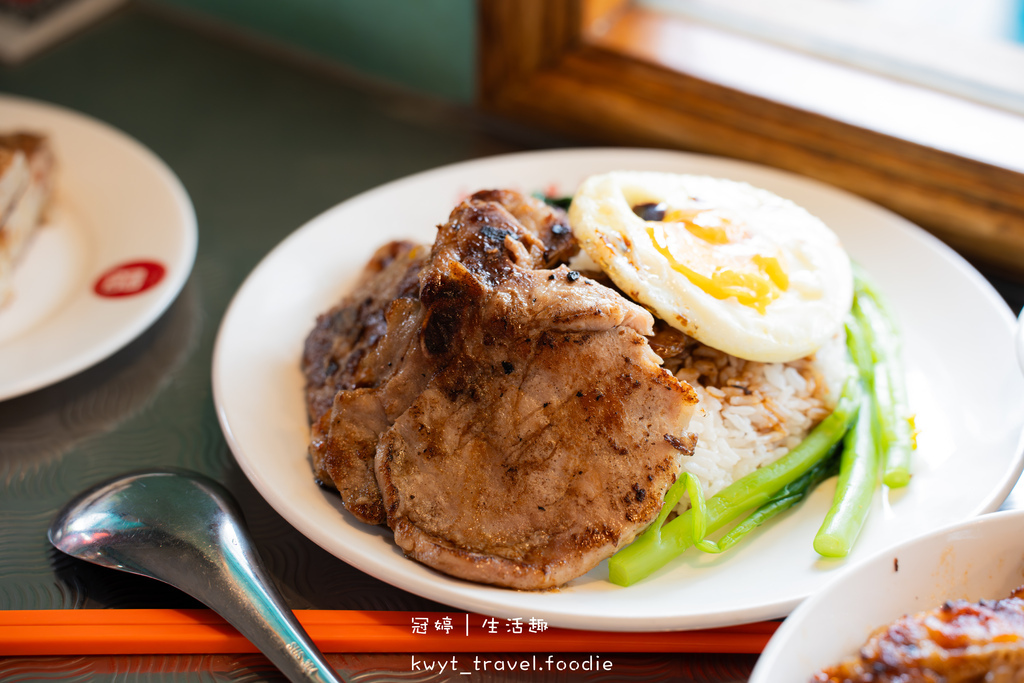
pixel 751 414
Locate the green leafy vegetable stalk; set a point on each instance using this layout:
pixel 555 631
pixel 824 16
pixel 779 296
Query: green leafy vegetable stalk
pixel 895 421
pixel 855 487
pixel 662 541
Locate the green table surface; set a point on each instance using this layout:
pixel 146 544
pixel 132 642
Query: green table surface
pixel 262 144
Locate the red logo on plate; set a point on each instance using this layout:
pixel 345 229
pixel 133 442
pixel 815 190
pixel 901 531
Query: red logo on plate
pixel 129 279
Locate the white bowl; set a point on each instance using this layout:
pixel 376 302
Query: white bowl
pixel 979 558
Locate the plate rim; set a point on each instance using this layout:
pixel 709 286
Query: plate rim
pixel 174 278
pixel 734 616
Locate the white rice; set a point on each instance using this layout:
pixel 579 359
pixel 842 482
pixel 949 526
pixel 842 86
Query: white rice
pixel 750 414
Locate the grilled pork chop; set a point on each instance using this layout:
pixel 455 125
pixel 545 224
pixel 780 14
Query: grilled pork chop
pixel 355 386
pixel 959 642
pixel 359 345
pixel 343 336
pixel 518 434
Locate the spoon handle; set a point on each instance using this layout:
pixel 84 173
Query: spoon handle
pixel 233 581
pixel 241 591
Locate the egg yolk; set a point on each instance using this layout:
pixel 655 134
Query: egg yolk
pixel 719 256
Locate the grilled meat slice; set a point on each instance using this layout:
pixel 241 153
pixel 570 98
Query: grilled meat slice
pixel 364 364
pixel 959 642
pixel 335 351
pixel 354 349
pixel 344 441
pixel 538 447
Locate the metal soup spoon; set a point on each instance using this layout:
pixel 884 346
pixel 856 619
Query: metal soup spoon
pixel 186 530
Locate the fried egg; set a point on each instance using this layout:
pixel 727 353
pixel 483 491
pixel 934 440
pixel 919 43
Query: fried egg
pixel 736 267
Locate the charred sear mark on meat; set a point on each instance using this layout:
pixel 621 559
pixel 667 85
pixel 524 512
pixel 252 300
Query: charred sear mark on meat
pixel 510 426
pixel 683 443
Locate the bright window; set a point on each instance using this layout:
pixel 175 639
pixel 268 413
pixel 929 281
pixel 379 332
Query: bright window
pixel 969 48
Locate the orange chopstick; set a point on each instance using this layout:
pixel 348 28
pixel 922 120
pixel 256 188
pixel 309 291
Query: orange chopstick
pixel 199 631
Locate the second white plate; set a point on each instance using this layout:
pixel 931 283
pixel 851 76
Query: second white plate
pixel 115 250
pixel 980 559
pixel 963 380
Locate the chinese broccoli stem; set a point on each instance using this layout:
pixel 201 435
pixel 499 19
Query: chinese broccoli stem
pixel 789 496
pixel 864 447
pixel 895 422
pixel 660 543
pixel 855 487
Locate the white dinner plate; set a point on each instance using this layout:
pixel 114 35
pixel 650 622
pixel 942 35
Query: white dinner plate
pixel 963 382
pixel 982 558
pixel 114 250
